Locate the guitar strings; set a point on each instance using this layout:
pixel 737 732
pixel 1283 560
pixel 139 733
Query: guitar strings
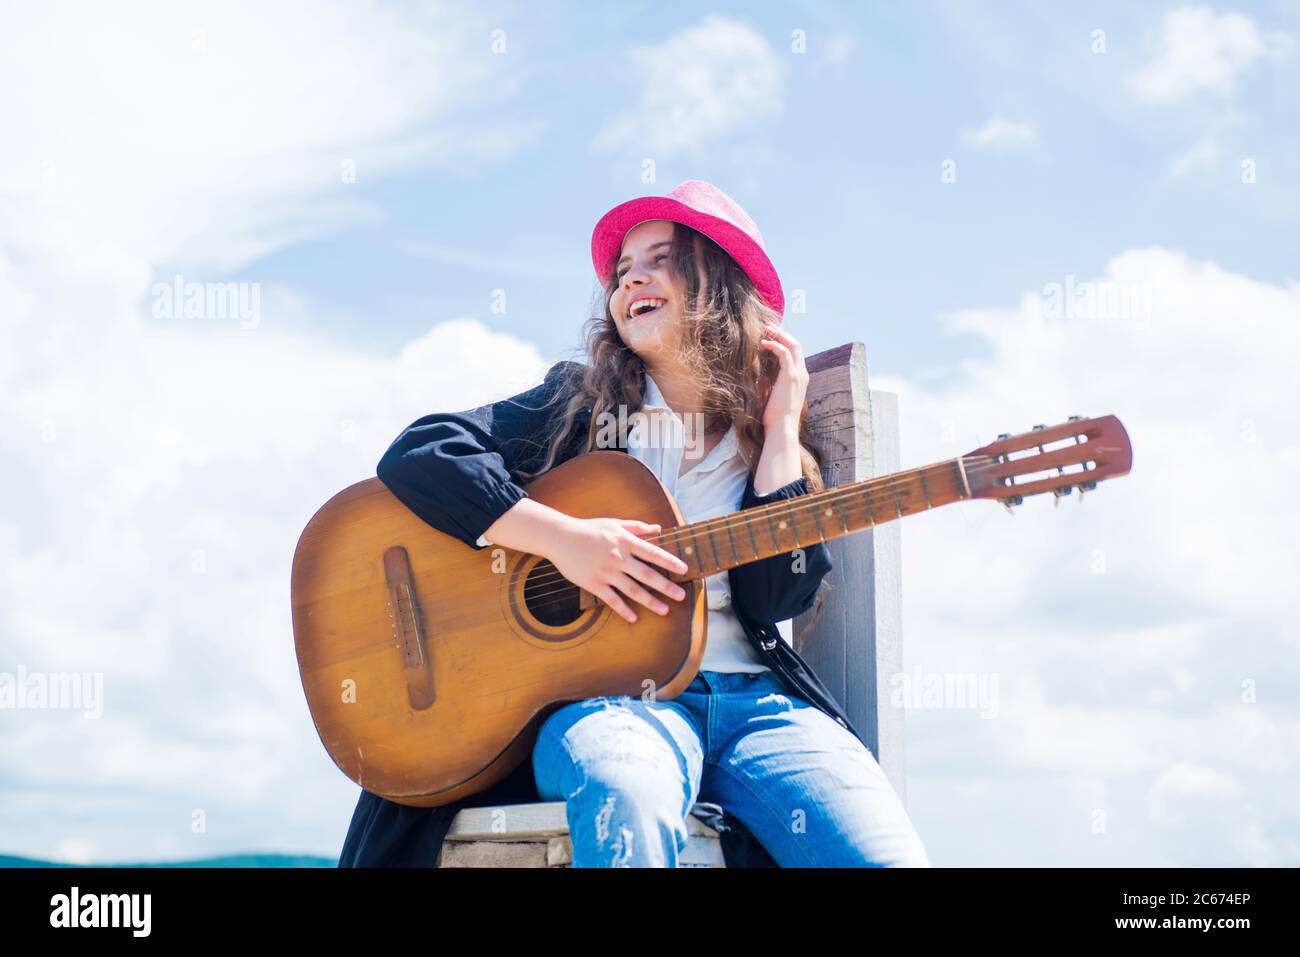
pixel 570 588
pixel 676 535
pixel 802 508
pixel 740 518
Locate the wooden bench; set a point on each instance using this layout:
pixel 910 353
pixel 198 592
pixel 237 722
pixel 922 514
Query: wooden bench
pixel 537 835
pixel 855 643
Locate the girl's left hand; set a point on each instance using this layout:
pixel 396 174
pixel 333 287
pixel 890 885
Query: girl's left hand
pixel 786 398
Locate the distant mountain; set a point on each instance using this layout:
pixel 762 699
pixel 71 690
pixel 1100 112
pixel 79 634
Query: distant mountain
pixel 234 860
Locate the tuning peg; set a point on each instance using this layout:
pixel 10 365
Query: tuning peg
pixel 1001 457
pixel 1013 500
pixel 1059 493
pixel 1039 428
pixel 1074 418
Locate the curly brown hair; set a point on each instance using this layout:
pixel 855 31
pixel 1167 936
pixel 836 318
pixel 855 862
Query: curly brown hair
pixel 722 325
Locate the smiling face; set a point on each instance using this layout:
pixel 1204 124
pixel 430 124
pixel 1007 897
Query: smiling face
pixel 643 274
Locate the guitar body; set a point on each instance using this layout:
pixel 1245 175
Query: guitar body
pixel 429 666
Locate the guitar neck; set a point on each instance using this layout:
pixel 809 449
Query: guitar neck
pixel 725 542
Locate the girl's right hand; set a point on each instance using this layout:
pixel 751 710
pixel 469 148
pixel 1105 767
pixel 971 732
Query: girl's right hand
pixel 607 557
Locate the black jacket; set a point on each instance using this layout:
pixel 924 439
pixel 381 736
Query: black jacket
pixel 457 471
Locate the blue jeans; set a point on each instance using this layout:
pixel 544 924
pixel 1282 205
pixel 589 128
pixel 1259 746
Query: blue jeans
pixel 804 786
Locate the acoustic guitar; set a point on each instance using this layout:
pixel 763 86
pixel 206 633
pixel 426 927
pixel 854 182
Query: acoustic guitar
pixel 429 665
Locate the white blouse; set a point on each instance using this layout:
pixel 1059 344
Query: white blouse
pixel 714 485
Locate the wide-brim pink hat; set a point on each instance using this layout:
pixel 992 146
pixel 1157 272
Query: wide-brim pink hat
pixel 703 207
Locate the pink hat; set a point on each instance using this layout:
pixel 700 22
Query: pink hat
pixel 701 206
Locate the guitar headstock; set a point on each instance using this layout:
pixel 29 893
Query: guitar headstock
pixel 1082 453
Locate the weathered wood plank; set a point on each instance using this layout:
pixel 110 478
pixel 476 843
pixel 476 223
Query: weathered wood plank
pixel 530 822
pixel 855 642
pixel 492 854
pixel 882 659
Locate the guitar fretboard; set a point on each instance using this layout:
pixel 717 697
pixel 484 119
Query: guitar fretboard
pixel 717 544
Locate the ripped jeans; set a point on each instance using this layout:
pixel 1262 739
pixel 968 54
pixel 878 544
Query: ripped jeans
pixel 630 771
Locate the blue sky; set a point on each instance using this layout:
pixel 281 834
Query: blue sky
pixel 843 172
pixel 382 174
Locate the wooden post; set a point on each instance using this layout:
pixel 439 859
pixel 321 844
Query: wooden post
pixel 856 643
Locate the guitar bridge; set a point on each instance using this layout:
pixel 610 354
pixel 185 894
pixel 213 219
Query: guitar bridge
pixel 408 628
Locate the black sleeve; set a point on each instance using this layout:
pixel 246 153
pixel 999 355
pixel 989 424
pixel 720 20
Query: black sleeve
pixel 772 589
pixel 455 470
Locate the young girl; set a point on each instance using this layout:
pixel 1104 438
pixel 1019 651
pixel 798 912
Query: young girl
pixel 689 336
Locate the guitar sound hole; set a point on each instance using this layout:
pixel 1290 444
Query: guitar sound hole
pixel 552 598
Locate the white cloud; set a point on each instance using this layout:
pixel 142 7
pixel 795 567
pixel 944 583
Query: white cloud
pixel 1183 782
pixel 74 852
pixel 1002 132
pixel 1200 50
pixel 198 133
pixel 696 86
pixel 166 467
pixel 1201 156
pixel 1148 628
